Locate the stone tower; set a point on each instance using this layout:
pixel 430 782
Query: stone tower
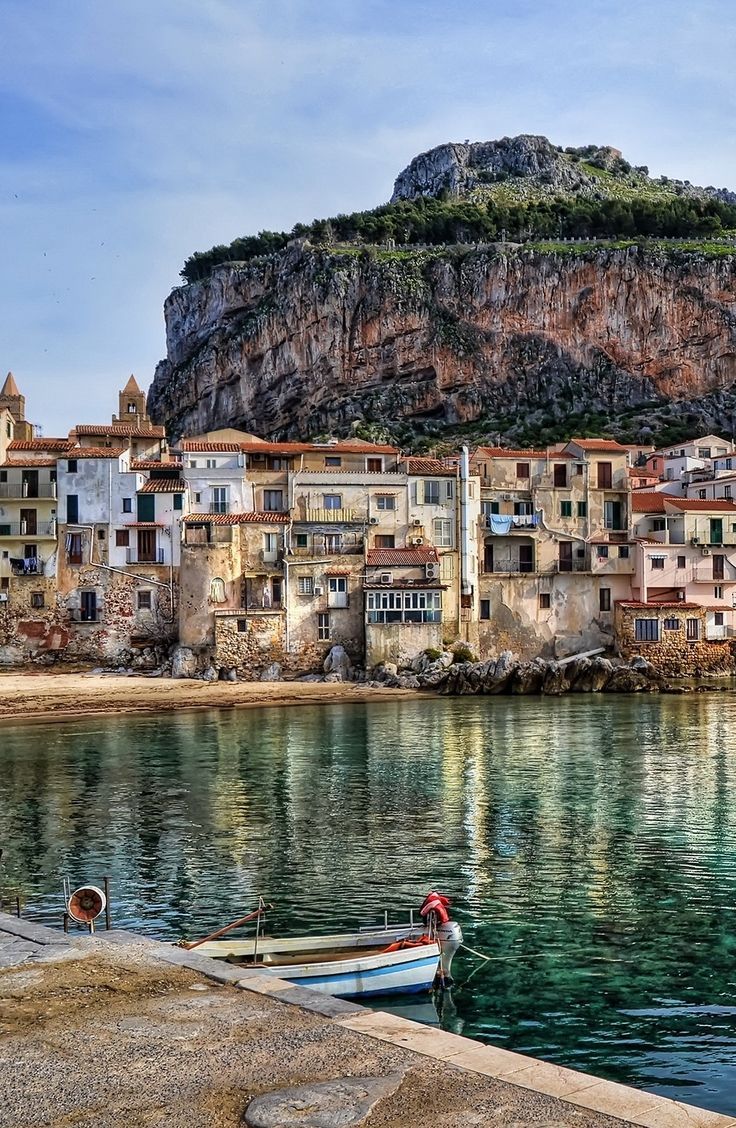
pixel 132 405
pixel 15 403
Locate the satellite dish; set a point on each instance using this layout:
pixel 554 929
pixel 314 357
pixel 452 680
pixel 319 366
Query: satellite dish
pixel 86 903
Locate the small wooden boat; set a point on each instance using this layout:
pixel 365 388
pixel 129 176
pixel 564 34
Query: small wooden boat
pixel 386 960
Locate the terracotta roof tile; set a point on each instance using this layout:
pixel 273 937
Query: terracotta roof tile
pixel 599 445
pixel 40 444
pixel 237 519
pixel 146 525
pixel 163 485
pixel 193 446
pixel 129 429
pixel 653 606
pixel 502 452
pixel 647 502
pixel 429 466
pixel 696 505
pixel 349 446
pixel 401 557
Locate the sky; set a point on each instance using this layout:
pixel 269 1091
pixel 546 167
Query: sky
pixel 134 132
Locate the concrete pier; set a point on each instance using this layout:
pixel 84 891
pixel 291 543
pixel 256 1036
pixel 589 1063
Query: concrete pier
pixel 116 1030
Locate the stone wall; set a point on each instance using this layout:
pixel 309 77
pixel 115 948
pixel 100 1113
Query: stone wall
pixel 673 655
pixel 251 642
pixel 400 642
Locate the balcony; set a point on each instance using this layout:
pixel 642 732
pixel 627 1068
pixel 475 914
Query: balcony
pixel 334 516
pixel 331 547
pixel 219 507
pixel 81 615
pixel 44 530
pixel 339 599
pixel 204 536
pixel 133 556
pixel 31 567
pixel 521 522
pixel 613 565
pixel 22 490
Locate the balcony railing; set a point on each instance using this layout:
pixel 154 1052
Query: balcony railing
pixel 30 567
pixel 331 548
pixel 197 536
pixel 21 490
pixel 132 556
pixel 507 567
pixel 329 516
pixel 219 507
pixel 16 529
pixel 80 615
pixel 523 522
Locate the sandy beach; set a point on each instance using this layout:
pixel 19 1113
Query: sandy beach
pixel 31 696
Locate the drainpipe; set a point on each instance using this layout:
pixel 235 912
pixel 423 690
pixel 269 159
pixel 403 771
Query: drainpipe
pixel 466 587
pixel 643 583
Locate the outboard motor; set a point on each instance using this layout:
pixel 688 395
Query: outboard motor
pixel 446 932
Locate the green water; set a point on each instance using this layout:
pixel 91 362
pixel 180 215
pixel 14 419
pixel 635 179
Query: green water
pixel 591 839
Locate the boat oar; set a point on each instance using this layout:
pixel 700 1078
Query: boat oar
pixel 228 928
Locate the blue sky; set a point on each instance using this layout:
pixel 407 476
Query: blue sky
pixel 133 132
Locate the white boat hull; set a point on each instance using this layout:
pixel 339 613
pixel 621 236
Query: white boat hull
pixel 354 975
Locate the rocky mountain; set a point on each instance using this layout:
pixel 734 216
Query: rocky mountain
pixel 329 330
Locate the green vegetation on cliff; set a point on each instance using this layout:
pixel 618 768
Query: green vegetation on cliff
pixel 447 221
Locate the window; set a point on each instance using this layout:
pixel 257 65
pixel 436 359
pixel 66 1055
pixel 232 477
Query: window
pixel 323 626
pixel 659 525
pixel 605 475
pixel 385 540
pixel 431 493
pixel 333 460
pixel 522 509
pixel 4 583
pixel 727 491
pixel 145 600
pixel 273 501
pixel 646 630
pixel 72 509
pixel 692 630
pixel 559 475
pixel 88 606
pixel 211 464
pixel 681 561
pixel 601 551
pixel 404 606
pixel 305 585
pixel 337 584
pixel 442 532
pixel 604 599
pixel 718 619
pixel 658 562
pixel 485 608
pixel 702 494
pixel 545 601
pixel 385 501
pixel 127 505
pixel 193 463
pixel 565 509
pixel 582 509
pixel 178 500
pixel 374 465
pixel 270 546
pixel 217 590
pixel 332 501
pixel 488 508
pixel 333 543
pixel 242 626
pixel 219 499
pixel 37 600
pixel 301 540
pixel 579 467
pixel 197 498
pixel 3 475
pixel 522 469
pixel 703 452
pixel 672 624
pixel 72 465
pixel 122 538
pixel 718 592
pixel 74 548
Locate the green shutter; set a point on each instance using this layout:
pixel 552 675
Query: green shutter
pixel 146 507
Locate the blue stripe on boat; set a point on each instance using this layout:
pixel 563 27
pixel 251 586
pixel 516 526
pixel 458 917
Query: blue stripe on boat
pixel 340 977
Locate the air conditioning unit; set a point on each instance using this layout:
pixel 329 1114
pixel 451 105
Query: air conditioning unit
pixel 417 522
pixel 374 520
pixel 705 552
pixel 508 497
pixel 695 540
pixel 416 540
pixel 318 591
pixel 432 571
pixel 3 597
pixel 385 578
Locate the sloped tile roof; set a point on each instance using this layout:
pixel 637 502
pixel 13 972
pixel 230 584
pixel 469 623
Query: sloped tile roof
pixel 653 606
pixel 429 466
pixel 401 557
pixel 153 464
pixel 697 505
pixel 94 452
pixel 193 446
pixel 131 429
pixel 647 502
pixel 502 452
pixel 40 444
pixel 163 485
pixel 38 461
pixel 600 444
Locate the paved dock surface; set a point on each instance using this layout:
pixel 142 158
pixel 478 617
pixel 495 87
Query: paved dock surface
pixel 115 1030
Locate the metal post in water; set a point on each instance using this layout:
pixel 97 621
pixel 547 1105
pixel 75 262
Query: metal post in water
pixel 106 885
pixel 66 922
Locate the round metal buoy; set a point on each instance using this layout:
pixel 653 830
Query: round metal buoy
pixel 86 904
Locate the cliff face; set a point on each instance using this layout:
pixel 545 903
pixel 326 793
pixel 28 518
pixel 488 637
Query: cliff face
pixel 307 342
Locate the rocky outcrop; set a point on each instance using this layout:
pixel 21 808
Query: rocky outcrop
pixel 307 342
pixel 506 675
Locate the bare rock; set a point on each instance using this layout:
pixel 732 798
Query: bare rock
pixel 341 1103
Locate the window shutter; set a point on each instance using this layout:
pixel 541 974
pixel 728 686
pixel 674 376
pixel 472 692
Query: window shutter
pixel 419 492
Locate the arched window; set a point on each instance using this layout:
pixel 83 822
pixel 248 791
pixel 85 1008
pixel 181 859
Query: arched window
pixel 217 590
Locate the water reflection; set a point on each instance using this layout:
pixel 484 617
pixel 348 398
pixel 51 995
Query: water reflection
pixel 588 841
